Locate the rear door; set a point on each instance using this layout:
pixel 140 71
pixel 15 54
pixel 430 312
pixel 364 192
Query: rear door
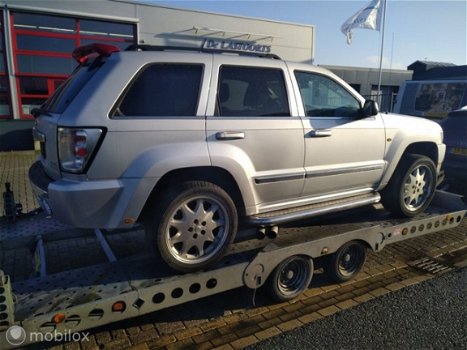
pixel 253 129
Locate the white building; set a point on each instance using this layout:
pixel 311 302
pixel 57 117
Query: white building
pixel 37 38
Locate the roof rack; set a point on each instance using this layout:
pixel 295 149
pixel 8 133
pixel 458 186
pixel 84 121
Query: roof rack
pixel 145 47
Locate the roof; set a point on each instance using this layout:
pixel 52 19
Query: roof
pixel 427 65
pixel 430 70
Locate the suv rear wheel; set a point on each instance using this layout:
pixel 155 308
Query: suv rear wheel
pixel 412 186
pixel 193 225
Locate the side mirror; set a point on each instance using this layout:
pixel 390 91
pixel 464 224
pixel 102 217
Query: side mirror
pixel 370 108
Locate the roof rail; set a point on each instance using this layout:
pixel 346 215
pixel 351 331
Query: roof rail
pixel 138 47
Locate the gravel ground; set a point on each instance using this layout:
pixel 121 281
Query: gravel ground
pixel 429 315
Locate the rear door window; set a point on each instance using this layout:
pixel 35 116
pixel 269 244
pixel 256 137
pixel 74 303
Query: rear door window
pixel 162 90
pixel 251 91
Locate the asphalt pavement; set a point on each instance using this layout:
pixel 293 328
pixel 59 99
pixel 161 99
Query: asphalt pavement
pixel 429 315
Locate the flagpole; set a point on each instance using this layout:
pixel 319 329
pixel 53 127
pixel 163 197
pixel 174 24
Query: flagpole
pixel 381 55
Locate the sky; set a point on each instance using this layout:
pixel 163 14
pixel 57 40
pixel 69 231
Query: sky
pixel 415 30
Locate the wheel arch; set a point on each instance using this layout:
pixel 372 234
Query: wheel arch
pixel 215 175
pixel 425 148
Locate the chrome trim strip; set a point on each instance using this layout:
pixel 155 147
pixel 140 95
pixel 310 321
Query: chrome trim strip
pixel 276 178
pixel 340 171
pixel 282 218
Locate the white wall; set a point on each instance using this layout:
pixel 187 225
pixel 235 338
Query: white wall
pixel 167 26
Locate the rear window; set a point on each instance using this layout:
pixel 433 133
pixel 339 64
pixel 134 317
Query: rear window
pixel 162 90
pixel 66 92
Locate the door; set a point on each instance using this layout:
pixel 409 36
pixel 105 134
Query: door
pixel 343 151
pixel 251 131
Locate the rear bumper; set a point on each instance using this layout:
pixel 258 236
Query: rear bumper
pixel 40 182
pixel 91 204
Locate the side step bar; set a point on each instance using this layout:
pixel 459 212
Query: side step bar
pixel 282 216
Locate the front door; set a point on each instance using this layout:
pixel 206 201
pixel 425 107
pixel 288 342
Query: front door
pixel 344 151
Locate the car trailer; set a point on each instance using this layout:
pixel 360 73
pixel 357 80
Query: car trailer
pixel 71 301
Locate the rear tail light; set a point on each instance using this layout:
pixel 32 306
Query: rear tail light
pixel 76 147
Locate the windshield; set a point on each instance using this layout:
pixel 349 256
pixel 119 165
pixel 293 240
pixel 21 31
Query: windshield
pixel 63 96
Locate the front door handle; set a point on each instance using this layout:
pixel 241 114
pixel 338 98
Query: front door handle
pixel 320 133
pixel 230 135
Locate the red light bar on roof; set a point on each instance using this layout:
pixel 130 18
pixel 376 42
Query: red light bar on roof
pixel 83 53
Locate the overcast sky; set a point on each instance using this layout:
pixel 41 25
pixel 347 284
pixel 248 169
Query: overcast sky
pixel 415 30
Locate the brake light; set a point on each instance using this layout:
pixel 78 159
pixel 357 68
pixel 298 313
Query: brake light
pixel 76 146
pixel 83 53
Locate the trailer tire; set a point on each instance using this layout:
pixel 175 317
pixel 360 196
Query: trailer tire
pixel 290 278
pixel 193 225
pixel 346 262
pixel 412 186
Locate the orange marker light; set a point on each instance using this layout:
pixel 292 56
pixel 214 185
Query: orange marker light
pixel 119 306
pixel 58 318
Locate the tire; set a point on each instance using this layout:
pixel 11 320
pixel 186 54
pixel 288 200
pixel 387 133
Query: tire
pixel 193 225
pixel 290 278
pixel 346 262
pixel 412 186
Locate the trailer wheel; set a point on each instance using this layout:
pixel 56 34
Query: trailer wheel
pixel 290 278
pixel 346 262
pixel 193 225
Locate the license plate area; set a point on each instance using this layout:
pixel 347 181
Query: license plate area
pixel 459 151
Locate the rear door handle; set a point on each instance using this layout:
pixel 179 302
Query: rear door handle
pixel 320 133
pixel 230 135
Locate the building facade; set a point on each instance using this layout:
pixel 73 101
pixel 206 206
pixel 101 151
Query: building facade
pixel 38 37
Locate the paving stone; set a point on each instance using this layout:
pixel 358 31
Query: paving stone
pixel 287 326
pixel 227 338
pixel 364 298
pixel 268 333
pixel 328 310
pixel 160 342
pixel 188 333
pixel 379 292
pixel 244 342
pixel 144 336
pixel 346 304
pixel 183 344
pixel 310 317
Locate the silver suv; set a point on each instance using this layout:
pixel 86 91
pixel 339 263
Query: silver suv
pixel 190 144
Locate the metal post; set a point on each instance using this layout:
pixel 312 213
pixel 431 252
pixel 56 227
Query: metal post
pixel 381 54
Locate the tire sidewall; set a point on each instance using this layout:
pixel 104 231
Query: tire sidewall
pixel 165 210
pixel 410 168
pixel 332 262
pixel 273 285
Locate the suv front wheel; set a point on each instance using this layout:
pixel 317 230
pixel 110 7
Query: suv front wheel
pixel 412 186
pixel 193 225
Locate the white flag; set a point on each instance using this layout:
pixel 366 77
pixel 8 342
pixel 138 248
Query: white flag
pixel 368 17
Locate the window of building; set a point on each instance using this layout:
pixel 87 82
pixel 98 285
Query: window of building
pixel 322 96
pixel 163 90
pixel 249 91
pixel 42 48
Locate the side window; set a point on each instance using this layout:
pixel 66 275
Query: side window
pixel 250 91
pixel 163 90
pixel 322 96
